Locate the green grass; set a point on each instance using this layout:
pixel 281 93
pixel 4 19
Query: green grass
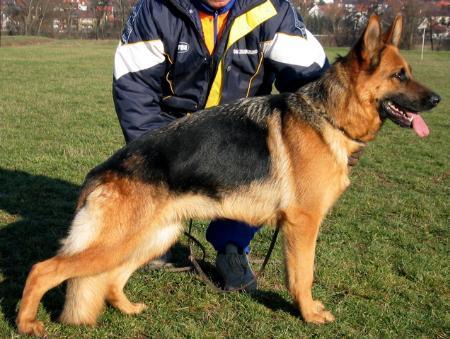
pixel 382 257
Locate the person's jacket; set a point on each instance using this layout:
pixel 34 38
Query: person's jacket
pixel 163 70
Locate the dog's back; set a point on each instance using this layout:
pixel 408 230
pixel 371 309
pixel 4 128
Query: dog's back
pixel 210 152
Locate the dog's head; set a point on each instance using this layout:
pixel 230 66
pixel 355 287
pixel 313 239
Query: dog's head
pixel 387 80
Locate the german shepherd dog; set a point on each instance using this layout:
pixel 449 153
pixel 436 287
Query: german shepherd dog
pixel 287 161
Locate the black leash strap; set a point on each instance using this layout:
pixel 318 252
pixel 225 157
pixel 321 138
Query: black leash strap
pixel 208 281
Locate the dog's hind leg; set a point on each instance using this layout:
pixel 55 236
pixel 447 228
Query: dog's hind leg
pixel 116 296
pixel 106 232
pixel 86 295
pixel 52 272
pixel 78 257
pixel 156 243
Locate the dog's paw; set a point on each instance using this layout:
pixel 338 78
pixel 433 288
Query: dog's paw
pixel 136 308
pixel 33 327
pixel 317 314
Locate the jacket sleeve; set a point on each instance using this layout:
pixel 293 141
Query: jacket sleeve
pixel 293 54
pixel 139 67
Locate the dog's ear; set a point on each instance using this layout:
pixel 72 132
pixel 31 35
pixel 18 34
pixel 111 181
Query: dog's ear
pixel 394 33
pixel 371 38
pixel 368 48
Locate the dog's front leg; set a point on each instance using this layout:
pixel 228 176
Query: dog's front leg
pixel 300 230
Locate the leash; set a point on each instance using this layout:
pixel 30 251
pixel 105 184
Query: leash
pixel 203 275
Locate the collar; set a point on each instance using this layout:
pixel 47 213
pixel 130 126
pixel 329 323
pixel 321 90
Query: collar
pixel 354 157
pixel 343 130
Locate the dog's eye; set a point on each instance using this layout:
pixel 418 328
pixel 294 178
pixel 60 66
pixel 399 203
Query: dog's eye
pixel 400 75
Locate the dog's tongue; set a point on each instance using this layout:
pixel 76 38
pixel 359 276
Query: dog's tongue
pixel 419 125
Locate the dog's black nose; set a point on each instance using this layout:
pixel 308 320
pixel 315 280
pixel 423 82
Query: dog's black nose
pixel 434 99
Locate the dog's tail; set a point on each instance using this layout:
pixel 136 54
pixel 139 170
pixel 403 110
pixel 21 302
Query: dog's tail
pixel 85 298
pixel 85 295
pixel 89 185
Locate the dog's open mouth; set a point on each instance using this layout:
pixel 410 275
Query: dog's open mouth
pixel 404 118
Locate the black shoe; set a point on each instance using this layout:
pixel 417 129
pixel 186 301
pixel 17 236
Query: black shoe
pixel 235 269
pixel 163 261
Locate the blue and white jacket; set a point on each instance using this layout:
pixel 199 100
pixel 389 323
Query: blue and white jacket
pixel 163 70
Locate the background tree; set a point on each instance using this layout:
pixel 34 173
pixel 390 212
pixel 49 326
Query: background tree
pixel 100 11
pixel 29 15
pixel 13 13
pixel 123 8
pixel 334 14
pixel 413 12
pixel 25 10
pixel 43 14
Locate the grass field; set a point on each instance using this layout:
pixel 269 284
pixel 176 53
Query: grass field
pixel 383 253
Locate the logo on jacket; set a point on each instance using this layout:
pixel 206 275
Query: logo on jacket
pixel 183 47
pixel 245 51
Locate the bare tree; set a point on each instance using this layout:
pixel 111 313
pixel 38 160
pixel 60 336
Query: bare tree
pixel 69 10
pixel 30 14
pixel 413 10
pixel 13 14
pixel 26 10
pixel 431 12
pixel 335 13
pixel 100 11
pixel 42 13
pixel 123 7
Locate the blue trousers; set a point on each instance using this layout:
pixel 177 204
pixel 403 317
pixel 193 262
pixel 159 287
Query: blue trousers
pixel 224 231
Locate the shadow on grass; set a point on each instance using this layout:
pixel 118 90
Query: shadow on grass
pixel 275 302
pixel 41 209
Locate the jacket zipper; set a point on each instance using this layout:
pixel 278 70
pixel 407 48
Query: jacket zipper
pixel 215 57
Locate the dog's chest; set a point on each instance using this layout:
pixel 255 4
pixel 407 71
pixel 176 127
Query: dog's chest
pixel 342 149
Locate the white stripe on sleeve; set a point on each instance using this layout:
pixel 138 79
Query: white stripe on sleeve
pixel 295 50
pixel 137 57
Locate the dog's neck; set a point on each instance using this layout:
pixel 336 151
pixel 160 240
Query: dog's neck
pixel 334 99
pixel 329 106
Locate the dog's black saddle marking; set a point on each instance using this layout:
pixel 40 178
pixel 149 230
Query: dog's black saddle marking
pixel 209 152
